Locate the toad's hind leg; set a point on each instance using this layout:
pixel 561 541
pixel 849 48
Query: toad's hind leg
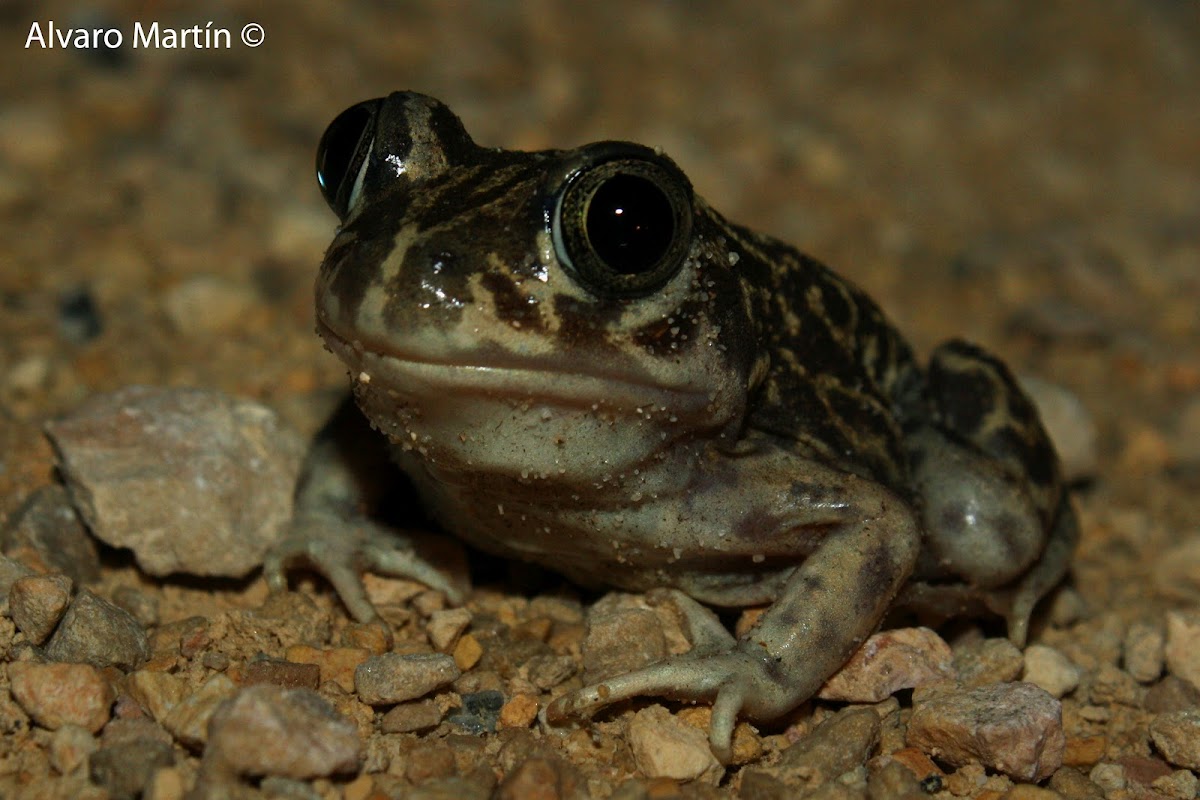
pixel 996 513
pixel 1016 605
pixel 829 604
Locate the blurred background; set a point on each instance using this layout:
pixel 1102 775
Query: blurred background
pixel 1020 172
pixel 1023 173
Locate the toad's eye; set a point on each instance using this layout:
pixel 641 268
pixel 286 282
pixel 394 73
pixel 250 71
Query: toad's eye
pixel 344 148
pixel 622 226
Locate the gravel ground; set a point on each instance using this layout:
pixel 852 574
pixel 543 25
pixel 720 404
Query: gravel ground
pixel 1023 174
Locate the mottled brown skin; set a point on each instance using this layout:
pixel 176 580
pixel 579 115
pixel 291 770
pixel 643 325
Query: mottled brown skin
pixel 736 425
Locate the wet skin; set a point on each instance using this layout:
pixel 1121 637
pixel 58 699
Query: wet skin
pixel 579 363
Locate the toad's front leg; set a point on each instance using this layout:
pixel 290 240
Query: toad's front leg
pixel 828 607
pixel 345 477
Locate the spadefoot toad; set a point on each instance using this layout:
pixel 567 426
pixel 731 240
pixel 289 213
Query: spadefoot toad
pixel 579 363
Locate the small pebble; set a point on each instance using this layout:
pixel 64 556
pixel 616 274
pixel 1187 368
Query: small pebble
pixel 988 661
pixel 1109 777
pixel 919 764
pixel 1014 728
pixel 214 476
pixel 564 610
pixel 757 783
pixel 479 681
pixel 165 784
pixel 543 778
pixel 888 662
pixel 1182 649
pixel 292 733
pixel 1050 669
pixel 288 674
pixel 386 591
pixel 747 746
pixel 1096 640
pixel 567 637
pixel 1143 770
pixel 411 717
pixel 519 712
pixel 467 652
pixel 337 664
pixel 548 671
pixel 838 745
pixel 188 719
pixel 157 692
pixel 69 748
pixel 62 694
pixel 1143 651
pixel 480 712
pixel 96 632
pixel 121 730
pixel 188 637
pixel 298 613
pixel 891 780
pixel 446 626
pixel 1066 607
pixel 37 603
pixel 46 524
pixel 1176 734
pixel 1109 685
pixel 374 637
pixel 621 641
pixel 394 678
pixel 126 769
pixel 1074 785
pixel 536 629
pixel 1084 751
pixel 966 780
pixel 427 602
pixel 664 747
pixel 1171 694
pixel 1181 783
pixel 430 761
pixel 1177 572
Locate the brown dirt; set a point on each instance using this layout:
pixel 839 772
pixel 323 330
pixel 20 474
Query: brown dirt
pixel 1022 173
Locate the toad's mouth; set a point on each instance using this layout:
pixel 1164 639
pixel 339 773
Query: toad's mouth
pixel 511 378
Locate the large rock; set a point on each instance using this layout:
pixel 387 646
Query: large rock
pixel 190 480
pixel 1014 728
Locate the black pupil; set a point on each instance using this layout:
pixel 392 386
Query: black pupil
pixel 630 224
pixel 339 146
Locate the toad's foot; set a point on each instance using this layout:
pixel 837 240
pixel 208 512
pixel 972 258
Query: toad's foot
pixel 828 606
pixel 1016 605
pixel 735 682
pixel 342 550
